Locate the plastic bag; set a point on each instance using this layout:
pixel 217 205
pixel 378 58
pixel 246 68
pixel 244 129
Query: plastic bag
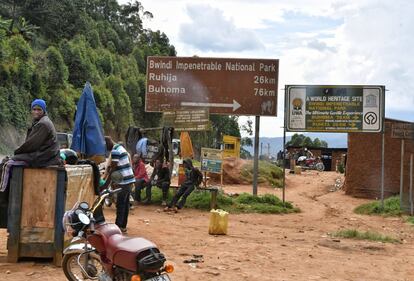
pixel 218 222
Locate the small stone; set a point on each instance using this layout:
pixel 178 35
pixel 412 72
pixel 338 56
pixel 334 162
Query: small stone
pixel 215 273
pixel 31 273
pixel 8 271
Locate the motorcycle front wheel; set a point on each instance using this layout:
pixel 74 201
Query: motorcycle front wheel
pixel 73 272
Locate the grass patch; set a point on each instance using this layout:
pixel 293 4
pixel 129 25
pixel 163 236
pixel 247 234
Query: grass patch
pixel 268 173
pixel 391 207
pixel 244 203
pixel 410 219
pixel 366 235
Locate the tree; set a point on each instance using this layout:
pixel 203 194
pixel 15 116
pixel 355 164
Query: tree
pixel 23 28
pixel 131 14
pixel 248 129
pixel 123 116
pixel 324 144
pixel 296 140
pixel 316 142
pixel 57 70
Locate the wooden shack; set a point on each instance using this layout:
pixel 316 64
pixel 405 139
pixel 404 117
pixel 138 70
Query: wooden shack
pixel 37 201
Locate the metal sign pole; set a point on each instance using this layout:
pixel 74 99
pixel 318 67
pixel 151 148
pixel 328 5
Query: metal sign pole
pixel 256 154
pixel 284 163
pixel 402 172
pixel 411 185
pixel 382 169
pixel 222 169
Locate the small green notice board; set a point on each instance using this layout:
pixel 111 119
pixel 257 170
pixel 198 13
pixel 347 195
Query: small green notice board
pixel 211 160
pixel 188 119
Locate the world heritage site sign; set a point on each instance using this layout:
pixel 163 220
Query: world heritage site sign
pixel 223 85
pixel 334 108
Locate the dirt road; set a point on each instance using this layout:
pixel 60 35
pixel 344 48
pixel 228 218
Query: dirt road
pixel 266 247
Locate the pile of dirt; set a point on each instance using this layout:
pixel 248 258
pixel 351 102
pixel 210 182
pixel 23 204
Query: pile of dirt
pixel 232 168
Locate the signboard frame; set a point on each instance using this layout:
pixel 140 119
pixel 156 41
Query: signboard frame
pixel 215 89
pixel 380 108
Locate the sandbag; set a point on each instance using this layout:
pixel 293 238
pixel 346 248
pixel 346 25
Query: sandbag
pixel 218 222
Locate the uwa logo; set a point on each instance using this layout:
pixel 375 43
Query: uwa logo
pixel 297 106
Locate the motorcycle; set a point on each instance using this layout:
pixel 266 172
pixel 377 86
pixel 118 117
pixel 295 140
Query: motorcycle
pixel 311 163
pixel 99 251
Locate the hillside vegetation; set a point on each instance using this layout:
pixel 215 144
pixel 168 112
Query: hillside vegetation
pixel 49 49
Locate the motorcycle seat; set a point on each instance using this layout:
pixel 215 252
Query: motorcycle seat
pixel 123 250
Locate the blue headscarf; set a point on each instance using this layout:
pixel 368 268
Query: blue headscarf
pixel 40 103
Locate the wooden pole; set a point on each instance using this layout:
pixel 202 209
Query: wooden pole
pixel 402 173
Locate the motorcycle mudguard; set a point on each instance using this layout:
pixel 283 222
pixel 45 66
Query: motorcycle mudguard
pixel 77 248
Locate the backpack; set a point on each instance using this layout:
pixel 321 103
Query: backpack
pixel 198 177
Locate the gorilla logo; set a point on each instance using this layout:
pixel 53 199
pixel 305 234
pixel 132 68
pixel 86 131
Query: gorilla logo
pixel 297 104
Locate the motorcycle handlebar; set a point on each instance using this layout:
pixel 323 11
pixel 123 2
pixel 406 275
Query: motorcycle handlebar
pixel 105 193
pixel 115 191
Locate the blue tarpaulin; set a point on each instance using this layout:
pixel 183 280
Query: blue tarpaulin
pixel 88 138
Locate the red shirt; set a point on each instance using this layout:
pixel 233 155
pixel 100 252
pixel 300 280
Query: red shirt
pixel 140 172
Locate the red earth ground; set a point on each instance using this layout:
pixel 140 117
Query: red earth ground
pixel 265 247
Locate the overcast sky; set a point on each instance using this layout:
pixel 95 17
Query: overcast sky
pixel 317 42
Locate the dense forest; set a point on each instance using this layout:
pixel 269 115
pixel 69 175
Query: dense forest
pixel 50 48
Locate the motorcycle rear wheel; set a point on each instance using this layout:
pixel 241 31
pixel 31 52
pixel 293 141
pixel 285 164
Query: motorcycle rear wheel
pixel 72 270
pixel 320 167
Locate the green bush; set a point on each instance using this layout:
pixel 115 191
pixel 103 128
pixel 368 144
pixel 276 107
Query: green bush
pixel 391 207
pixel 341 168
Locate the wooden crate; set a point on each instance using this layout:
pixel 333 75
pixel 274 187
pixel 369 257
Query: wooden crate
pixel 37 202
pixel 79 188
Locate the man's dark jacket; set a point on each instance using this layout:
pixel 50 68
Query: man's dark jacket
pixel 41 147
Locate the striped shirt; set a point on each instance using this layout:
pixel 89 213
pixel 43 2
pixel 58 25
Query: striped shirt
pixel 120 156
